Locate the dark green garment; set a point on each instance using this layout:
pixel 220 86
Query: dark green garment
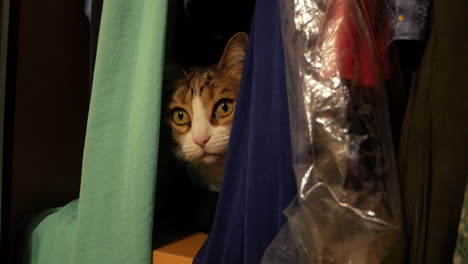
pixel 434 142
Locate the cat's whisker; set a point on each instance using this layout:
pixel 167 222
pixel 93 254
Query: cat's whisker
pixel 180 162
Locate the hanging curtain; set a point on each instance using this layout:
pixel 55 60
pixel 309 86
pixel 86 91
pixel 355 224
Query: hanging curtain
pixel 112 220
pixel 258 180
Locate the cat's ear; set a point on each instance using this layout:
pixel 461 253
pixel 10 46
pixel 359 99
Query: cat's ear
pixel 234 53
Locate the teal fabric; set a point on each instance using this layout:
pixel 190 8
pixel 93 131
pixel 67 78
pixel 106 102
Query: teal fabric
pixel 112 221
pixel 50 235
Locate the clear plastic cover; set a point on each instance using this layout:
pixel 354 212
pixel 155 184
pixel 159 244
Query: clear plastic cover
pixel 348 204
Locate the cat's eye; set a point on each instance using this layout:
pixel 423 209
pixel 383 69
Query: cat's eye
pixel 224 108
pixel 180 117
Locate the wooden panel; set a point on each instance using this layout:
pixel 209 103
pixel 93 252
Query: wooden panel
pixel 180 252
pixel 50 104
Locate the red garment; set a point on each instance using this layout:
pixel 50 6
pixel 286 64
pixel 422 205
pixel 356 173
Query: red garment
pixel 361 36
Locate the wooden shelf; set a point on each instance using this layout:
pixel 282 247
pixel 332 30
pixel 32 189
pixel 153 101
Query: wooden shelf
pixel 180 252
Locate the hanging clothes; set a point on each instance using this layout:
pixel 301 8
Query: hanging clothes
pixel 434 142
pixel 461 252
pixel 410 27
pixel 258 180
pixel 112 220
pixel 348 206
pixel 356 57
pixel 410 19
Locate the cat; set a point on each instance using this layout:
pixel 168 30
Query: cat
pixel 201 112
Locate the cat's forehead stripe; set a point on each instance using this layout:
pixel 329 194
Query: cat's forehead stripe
pixel 198 84
pixel 204 84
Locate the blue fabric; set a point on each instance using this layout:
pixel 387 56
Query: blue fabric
pixel 258 179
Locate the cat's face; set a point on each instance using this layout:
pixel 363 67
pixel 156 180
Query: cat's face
pixel 202 106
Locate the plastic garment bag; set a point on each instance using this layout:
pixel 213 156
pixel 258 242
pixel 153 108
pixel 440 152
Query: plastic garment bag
pixel 348 205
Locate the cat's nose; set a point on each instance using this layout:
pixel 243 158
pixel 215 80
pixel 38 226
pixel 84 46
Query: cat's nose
pixel 201 140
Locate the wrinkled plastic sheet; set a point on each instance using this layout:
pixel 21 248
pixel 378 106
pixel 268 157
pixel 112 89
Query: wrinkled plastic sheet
pixel 348 204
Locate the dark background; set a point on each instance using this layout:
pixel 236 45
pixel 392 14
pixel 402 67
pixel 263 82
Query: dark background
pixel 47 95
